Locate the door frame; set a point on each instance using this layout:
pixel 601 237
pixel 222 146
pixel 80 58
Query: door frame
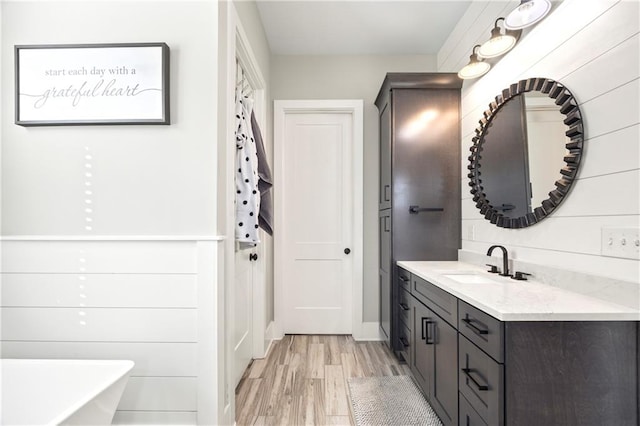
pixel 247 60
pixel 355 108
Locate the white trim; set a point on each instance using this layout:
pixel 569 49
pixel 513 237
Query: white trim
pixel 369 331
pixel 356 109
pixel 209 325
pixel 112 238
pixel 269 338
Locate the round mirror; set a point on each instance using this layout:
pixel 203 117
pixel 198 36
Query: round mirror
pixel 526 153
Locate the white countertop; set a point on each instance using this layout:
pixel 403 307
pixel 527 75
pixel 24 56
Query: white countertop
pixel 510 300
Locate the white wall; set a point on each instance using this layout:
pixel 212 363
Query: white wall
pixel 142 282
pixel 592 48
pixel 350 77
pixel 146 179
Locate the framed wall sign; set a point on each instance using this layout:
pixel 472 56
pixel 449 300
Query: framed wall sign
pixel 91 84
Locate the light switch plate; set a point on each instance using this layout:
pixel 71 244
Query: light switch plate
pixel 621 242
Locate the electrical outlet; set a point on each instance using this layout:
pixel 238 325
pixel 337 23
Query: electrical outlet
pixel 471 232
pixel 621 242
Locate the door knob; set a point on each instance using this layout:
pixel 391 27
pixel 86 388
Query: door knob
pixel 347 250
pixel 253 256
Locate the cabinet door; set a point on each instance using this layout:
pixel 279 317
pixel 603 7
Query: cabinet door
pixel 426 174
pixel 385 157
pixel 422 354
pixel 443 393
pixel 385 274
pixel 434 361
pixel 385 306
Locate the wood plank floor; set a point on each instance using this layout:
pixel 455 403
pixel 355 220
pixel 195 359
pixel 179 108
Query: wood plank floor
pixel 303 380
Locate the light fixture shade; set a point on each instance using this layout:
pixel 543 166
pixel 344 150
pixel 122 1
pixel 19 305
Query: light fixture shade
pixel 499 43
pixel 475 68
pixel 528 13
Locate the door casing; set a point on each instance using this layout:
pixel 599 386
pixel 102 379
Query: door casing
pixel 355 108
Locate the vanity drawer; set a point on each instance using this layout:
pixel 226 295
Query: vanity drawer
pixel 404 279
pixel 467 416
pixel 404 308
pixel 436 299
pixel 404 342
pixel 482 329
pixel 481 381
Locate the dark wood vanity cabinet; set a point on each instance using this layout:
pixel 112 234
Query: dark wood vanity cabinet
pixel 476 370
pixel 552 373
pixel 420 171
pixel 433 361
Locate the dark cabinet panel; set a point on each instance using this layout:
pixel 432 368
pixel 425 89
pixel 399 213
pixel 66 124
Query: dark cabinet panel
pixel 385 305
pixel 421 361
pixel 426 174
pixel 469 416
pixel 433 361
pixel 441 302
pixel 419 144
pixel 384 222
pixel 481 381
pixel 385 296
pixel 482 329
pixel 404 307
pixel 384 198
pixel 571 373
pixel 444 388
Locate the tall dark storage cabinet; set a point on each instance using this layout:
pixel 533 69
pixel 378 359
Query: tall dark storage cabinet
pixel 419 198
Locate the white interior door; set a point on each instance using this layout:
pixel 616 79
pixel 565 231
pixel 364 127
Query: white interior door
pixel 243 312
pixel 318 224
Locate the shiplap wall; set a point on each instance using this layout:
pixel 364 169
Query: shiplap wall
pixel 138 300
pixel 593 48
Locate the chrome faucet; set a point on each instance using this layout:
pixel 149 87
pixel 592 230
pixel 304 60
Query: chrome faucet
pixel 505 259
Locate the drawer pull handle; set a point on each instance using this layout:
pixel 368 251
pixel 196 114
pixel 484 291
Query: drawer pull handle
pixel 469 323
pixel 429 340
pixel 404 342
pixel 404 306
pixel 467 372
pixel 404 279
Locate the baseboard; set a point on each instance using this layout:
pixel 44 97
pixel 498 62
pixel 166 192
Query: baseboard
pixel 269 336
pixel 369 331
pixel 365 331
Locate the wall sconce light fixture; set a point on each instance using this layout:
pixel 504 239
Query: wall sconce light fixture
pixel 499 43
pixel 527 13
pixel 475 68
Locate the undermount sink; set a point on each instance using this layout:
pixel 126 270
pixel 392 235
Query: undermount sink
pixel 469 278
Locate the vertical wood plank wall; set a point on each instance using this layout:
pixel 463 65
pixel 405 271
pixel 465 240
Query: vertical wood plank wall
pixel 593 48
pixel 133 300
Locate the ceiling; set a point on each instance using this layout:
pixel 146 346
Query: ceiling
pixel 392 27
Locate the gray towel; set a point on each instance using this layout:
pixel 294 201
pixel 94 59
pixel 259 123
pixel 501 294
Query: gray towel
pixel 265 218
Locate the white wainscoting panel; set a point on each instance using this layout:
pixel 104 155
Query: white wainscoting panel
pixel 153 418
pixel 134 257
pixel 152 359
pixel 99 325
pixel 160 394
pixel 105 298
pixel 100 290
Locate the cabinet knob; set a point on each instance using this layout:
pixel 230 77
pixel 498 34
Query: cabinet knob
pixel 347 250
pixel 253 256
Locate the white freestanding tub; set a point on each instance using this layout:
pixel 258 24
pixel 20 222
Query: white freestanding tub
pixel 61 392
